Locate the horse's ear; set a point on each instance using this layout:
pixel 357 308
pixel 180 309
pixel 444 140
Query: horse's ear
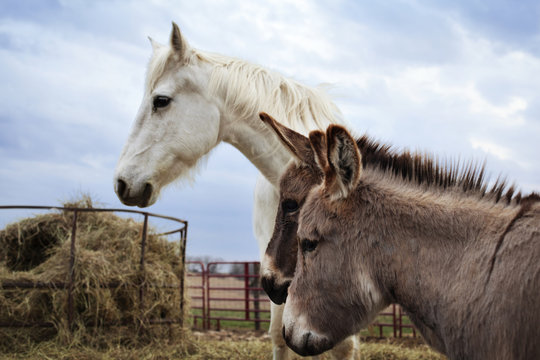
pixel 296 143
pixel 178 43
pixel 155 44
pixel 344 162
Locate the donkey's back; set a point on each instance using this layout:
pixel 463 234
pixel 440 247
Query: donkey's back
pixel 512 289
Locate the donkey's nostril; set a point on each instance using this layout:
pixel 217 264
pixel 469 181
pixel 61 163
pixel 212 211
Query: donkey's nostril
pixel 267 284
pixel 276 293
pixel 121 188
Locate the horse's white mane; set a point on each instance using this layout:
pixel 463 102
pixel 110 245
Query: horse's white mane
pixel 249 89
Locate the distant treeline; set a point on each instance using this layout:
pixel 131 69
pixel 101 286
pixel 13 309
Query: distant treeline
pixel 233 269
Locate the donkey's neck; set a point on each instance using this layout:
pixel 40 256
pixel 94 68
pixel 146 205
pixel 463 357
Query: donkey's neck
pixel 430 245
pixel 442 219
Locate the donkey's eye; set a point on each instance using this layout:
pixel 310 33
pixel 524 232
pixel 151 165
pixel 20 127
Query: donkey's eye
pixel 161 102
pixel 308 245
pixel 289 206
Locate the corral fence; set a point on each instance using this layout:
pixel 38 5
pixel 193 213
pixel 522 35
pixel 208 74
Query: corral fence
pixel 69 285
pixel 229 295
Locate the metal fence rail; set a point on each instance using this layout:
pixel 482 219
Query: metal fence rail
pixel 221 298
pixel 228 294
pixel 69 285
pixel 246 294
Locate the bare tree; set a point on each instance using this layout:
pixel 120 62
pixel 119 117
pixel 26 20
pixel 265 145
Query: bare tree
pixel 205 260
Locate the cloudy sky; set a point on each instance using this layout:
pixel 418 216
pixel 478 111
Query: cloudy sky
pixel 456 78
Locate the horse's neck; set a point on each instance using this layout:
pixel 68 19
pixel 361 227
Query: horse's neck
pixel 258 144
pixel 244 90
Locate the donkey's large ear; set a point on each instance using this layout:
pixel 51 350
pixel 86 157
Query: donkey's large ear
pixel 296 143
pixel 178 43
pixel 317 140
pixel 344 162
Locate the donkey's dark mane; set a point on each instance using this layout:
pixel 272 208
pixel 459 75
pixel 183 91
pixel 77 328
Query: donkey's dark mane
pixel 424 169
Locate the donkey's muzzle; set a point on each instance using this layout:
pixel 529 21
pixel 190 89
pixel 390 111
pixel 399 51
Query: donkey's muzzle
pixel 131 196
pixel 276 292
pixel 307 343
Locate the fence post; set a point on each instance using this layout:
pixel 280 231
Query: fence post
pixel 400 323
pixel 206 274
pixel 204 305
pixel 246 288
pixel 141 264
pixel 394 322
pixel 256 305
pixel 72 270
pixel 183 236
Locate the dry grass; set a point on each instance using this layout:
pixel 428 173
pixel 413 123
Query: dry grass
pixel 204 348
pixel 37 249
pixel 398 349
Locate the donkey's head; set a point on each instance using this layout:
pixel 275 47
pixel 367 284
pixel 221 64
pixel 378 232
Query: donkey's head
pixel 279 262
pixel 333 294
pixel 177 124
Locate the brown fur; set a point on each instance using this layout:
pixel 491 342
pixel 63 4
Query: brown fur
pixel 283 253
pixel 417 169
pixel 343 160
pixel 424 169
pixel 463 263
pixel 281 250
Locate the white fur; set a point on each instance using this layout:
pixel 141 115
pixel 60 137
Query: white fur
pixel 218 98
pixel 268 269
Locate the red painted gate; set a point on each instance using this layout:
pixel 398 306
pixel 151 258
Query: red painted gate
pixel 228 295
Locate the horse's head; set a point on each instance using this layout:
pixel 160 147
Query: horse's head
pixel 279 262
pixel 177 124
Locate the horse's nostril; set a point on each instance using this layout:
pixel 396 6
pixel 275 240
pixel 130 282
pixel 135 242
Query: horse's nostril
pixel 130 195
pixel 121 188
pixel 147 193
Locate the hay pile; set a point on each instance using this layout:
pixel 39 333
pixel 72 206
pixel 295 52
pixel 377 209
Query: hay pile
pixel 108 251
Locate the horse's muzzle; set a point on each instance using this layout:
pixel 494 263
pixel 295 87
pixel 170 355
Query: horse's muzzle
pixel 133 197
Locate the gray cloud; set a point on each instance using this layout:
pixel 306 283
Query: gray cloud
pixel 456 79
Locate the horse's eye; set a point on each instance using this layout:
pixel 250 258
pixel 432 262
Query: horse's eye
pixel 308 245
pixel 289 206
pixel 161 102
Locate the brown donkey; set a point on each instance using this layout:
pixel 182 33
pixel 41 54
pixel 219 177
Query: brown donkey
pixel 279 261
pixel 461 259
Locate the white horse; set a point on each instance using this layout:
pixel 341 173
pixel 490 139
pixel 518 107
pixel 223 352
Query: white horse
pixel 194 100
